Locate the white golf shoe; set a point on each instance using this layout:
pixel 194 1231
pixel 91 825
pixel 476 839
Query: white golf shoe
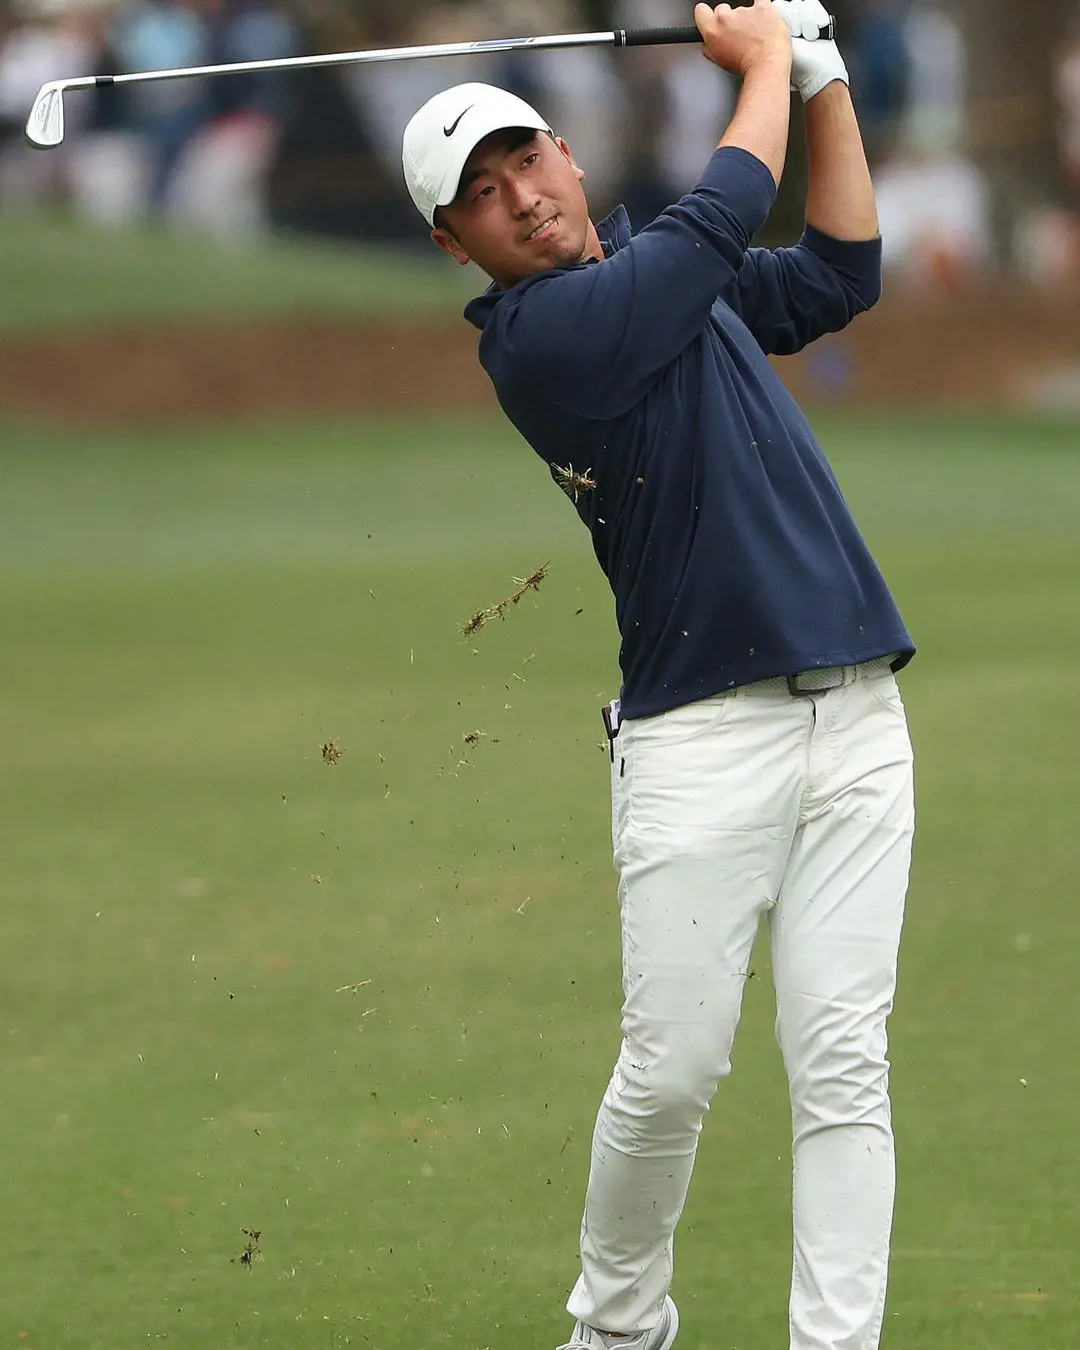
pixel 662 1336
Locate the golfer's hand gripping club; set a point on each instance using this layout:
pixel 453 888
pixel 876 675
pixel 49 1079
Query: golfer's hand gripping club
pixel 737 40
pixel 825 31
pixel 816 59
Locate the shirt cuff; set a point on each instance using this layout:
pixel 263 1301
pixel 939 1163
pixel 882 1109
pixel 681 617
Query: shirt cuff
pixel 842 252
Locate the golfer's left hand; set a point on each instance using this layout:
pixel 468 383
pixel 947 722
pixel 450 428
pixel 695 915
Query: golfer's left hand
pixel 815 63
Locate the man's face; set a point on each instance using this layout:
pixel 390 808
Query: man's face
pixel 520 208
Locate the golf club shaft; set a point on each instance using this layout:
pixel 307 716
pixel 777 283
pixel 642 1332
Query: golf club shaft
pixel 45 123
pixel 620 37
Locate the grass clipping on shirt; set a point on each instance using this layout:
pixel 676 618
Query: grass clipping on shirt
pixel 522 585
pixel 572 482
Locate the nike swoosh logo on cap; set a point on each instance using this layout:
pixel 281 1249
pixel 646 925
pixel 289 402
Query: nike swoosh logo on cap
pixel 449 131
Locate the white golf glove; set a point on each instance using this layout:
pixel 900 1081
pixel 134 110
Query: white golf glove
pixel 816 63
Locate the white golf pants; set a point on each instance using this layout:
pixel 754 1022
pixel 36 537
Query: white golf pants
pixel 800 808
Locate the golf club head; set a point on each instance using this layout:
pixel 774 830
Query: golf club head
pixel 45 125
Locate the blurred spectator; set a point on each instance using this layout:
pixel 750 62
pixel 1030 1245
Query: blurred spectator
pixel 1048 240
pixel 219 183
pixel 934 206
pixel 163 35
pixel 47 40
pixel 248 30
pixel 933 200
pixel 880 67
pixel 937 86
pixel 1067 85
pixel 210 140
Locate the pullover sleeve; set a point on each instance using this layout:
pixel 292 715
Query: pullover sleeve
pixel 593 339
pixel 789 297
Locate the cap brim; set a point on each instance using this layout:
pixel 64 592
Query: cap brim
pixel 466 143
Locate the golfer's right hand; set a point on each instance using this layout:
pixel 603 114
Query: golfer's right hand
pixel 737 40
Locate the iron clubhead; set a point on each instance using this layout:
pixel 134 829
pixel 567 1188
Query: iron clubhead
pixel 45 125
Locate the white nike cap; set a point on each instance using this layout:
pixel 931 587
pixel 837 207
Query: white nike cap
pixel 445 132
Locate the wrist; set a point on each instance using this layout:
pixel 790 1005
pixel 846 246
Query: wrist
pixel 774 63
pixel 822 94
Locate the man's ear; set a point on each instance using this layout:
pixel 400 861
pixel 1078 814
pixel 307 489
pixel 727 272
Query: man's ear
pixel 449 244
pixel 579 173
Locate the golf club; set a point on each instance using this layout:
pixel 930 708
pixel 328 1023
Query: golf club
pixel 45 125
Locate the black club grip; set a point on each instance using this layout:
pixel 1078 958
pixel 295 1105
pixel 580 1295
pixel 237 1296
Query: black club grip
pixel 660 37
pixel 655 37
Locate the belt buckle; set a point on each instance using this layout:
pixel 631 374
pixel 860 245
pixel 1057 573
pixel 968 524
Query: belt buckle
pixel 818 687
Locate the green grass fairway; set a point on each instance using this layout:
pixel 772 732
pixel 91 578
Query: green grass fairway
pixel 368 1008
pixel 62 274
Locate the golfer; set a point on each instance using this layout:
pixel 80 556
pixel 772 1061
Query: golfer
pixel 761 764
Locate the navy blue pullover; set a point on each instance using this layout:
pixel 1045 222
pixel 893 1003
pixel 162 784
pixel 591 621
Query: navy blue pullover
pixel 716 518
